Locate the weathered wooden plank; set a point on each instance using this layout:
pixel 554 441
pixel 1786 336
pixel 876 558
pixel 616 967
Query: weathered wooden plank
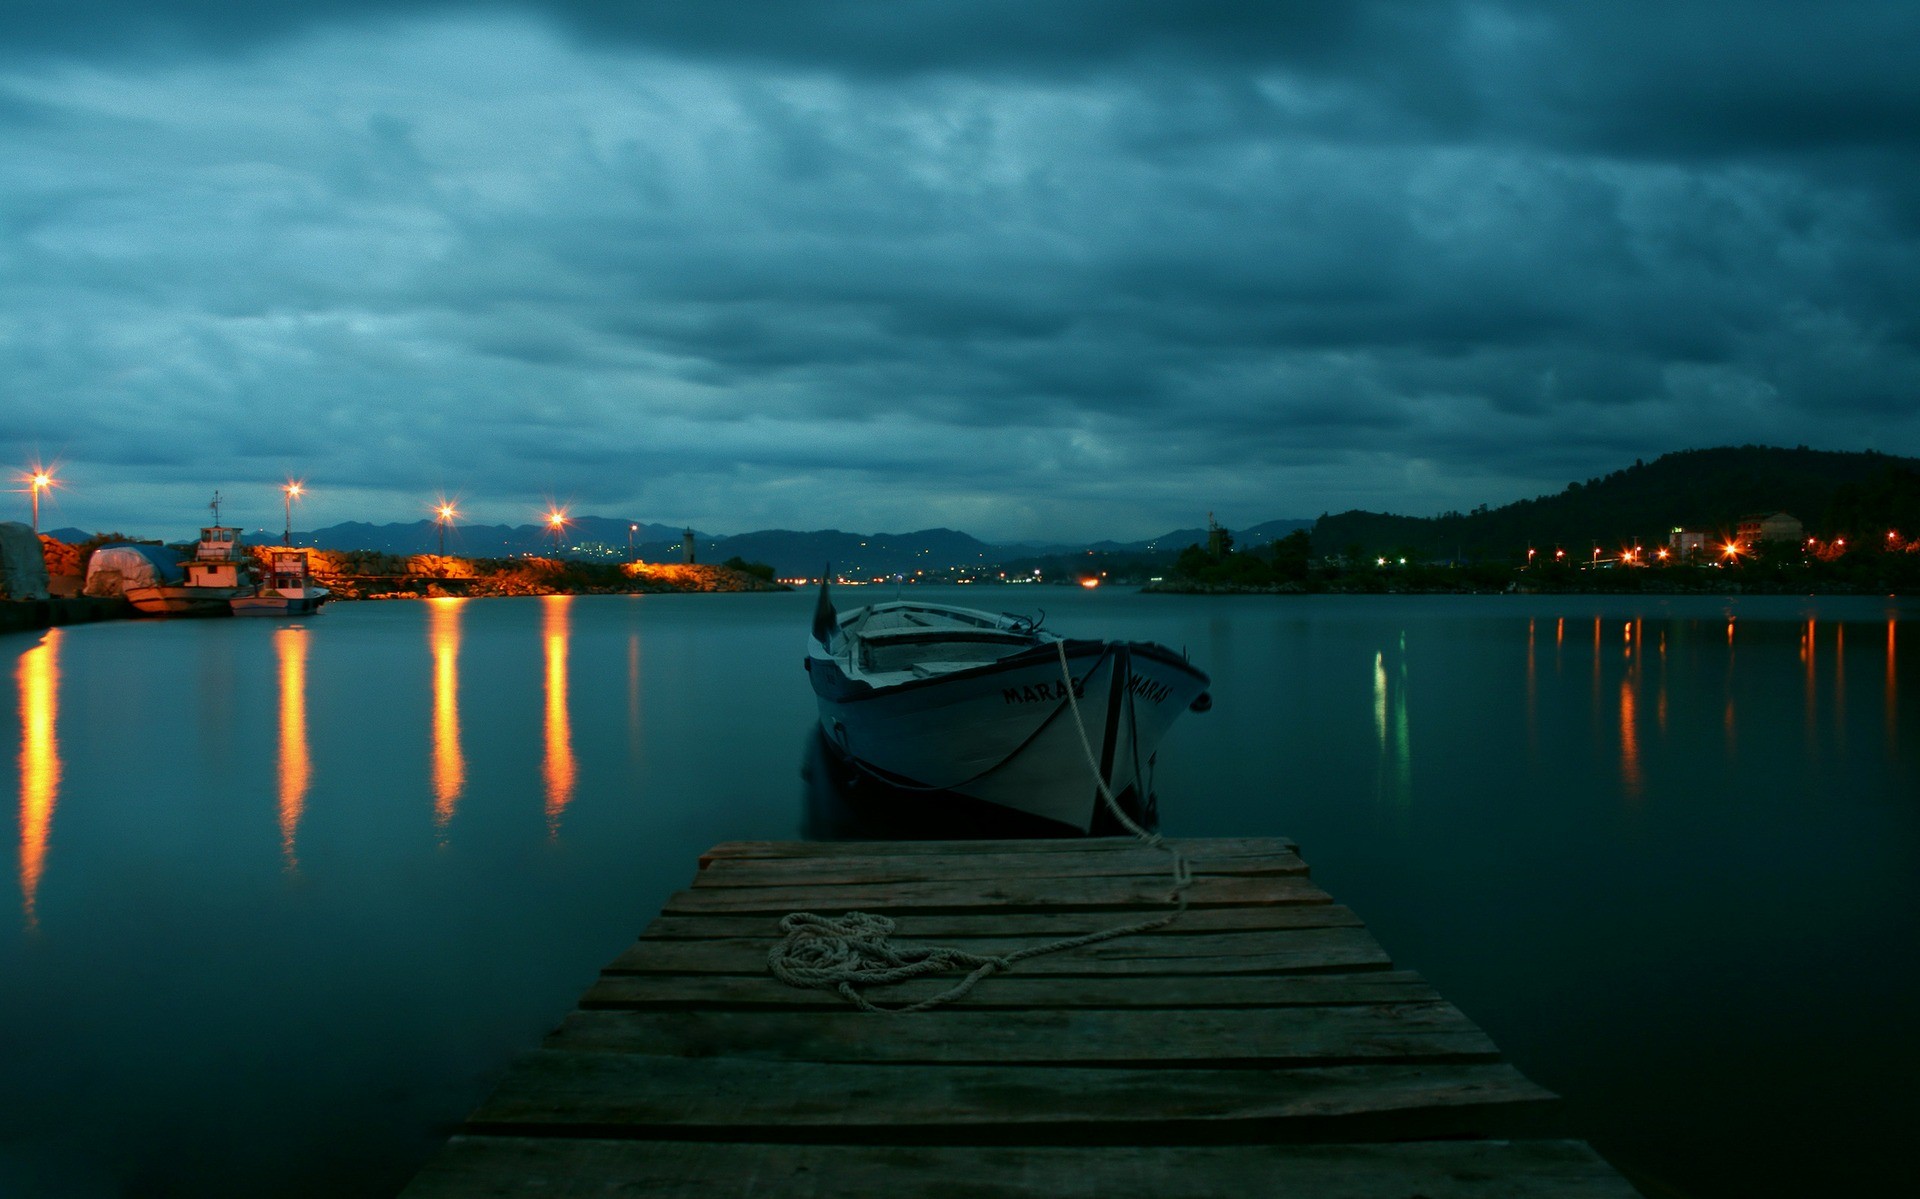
pixel 1271 952
pixel 1144 894
pixel 1219 1054
pixel 945 926
pixel 527 1168
pixel 780 872
pixel 638 1095
pixel 1215 847
pixel 1014 992
pixel 1413 1032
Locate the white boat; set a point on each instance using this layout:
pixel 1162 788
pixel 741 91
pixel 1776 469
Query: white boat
pixel 218 572
pixel 937 698
pixel 289 589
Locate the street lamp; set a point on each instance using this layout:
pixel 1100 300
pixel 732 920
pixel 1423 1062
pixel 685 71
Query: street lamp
pixel 443 516
pixel 557 521
pixel 38 480
pixel 631 530
pixel 292 492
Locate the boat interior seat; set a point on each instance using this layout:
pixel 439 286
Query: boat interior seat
pixel 942 655
pixel 927 670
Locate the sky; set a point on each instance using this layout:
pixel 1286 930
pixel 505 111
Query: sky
pixel 1033 269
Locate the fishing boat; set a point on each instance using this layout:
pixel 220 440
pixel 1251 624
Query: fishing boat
pixel 289 589
pixel 218 572
pixel 947 700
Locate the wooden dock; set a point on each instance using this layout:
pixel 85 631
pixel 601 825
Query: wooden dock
pixel 1261 1045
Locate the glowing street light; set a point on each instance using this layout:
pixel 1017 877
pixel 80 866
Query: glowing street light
pixel 443 514
pixel 557 521
pixel 292 491
pixel 631 530
pixel 38 479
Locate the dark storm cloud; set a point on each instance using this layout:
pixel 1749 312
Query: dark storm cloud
pixel 1008 263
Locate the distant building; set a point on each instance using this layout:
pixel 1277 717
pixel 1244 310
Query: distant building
pixel 1776 526
pixel 1687 544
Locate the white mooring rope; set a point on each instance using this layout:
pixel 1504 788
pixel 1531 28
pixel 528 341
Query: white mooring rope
pixel 846 953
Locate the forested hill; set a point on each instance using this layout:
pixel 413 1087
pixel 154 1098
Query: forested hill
pixel 1834 494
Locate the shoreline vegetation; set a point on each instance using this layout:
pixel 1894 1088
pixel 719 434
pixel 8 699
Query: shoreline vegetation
pixel 1287 567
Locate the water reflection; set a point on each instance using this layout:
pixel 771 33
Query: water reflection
pixel 1840 687
pixel 38 678
pixel 1635 637
pixel 559 767
pixel 1892 707
pixel 449 763
pixel 1809 686
pixel 1533 694
pixel 296 766
pixel 1630 777
pixel 636 746
pixel 1391 725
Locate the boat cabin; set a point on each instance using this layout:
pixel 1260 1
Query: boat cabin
pixel 288 570
pixel 218 560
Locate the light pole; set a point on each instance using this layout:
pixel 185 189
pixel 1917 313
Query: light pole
pixel 292 492
pixel 631 530
pixel 442 516
pixel 557 521
pixel 38 482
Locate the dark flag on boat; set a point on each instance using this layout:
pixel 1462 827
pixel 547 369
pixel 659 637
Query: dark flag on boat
pixel 825 619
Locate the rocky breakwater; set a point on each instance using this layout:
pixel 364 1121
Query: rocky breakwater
pixel 371 575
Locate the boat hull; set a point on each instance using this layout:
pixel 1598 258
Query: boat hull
pixel 1005 732
pixel 182 600
pixel 275 603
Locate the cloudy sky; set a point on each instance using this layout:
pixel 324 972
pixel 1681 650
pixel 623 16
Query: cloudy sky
pixel 1029 268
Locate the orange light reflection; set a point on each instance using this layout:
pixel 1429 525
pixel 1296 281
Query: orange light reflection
pixel 38 677
pixel 1810 686
pixel 1892 706
pixel 1629 740
pixel 559 766
pixel 296 767
pixel 449 764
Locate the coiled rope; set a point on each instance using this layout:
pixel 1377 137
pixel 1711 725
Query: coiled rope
pixel 845 954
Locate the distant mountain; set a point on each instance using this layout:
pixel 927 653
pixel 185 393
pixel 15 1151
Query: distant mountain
pixel 1832 493
pixel 794 554
pixel 1243 539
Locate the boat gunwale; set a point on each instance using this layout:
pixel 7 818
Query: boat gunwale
pixel 852 689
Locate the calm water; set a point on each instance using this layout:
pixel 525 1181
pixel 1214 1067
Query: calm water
pixel 288 896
